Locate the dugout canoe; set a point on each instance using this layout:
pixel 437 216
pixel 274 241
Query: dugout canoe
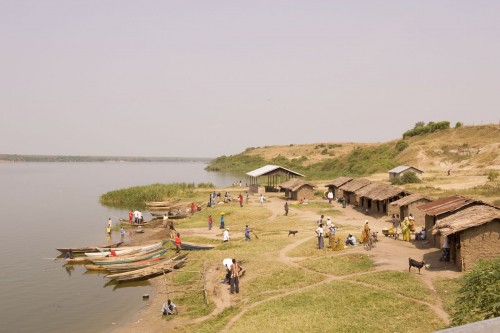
pixel 128 259
pixel 122 267
pixel 194 246
pixel 82 250
pixel 150 272
pixel 127 249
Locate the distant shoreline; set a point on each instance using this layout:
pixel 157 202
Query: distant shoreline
pixel 62 158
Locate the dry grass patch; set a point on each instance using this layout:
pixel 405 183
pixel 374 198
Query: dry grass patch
pixel 403 283
pixel 340 265
pixel 339 307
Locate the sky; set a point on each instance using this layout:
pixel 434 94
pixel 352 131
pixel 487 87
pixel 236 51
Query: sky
pixel 211 78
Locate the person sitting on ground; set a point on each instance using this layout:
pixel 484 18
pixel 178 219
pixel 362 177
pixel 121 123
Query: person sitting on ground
pixel 169 308
pixel 351 240
pixel 421 234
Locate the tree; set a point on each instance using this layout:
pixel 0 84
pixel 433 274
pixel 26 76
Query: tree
pixel 419 124
pixel 478 297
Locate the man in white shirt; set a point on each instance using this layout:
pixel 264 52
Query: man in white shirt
pixel 351 240
pixel 226 235
pixel 319 232
pixel 169 308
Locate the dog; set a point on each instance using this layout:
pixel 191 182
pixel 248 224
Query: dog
pixel 292 232
pixel 414 263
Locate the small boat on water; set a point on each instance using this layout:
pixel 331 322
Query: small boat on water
pixel 194 246
pixel 81 250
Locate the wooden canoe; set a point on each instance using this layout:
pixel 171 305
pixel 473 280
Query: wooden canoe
pixel 121 267
pixel 194 246
pixel 81 250
pixel 150 272
pixel 128 259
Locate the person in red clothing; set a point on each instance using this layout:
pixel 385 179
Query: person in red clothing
pixel 178 243
pixel 130 216
pixel 112 253
pixel 240 198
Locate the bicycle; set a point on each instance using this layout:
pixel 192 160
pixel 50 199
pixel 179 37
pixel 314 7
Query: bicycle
pixel 370 242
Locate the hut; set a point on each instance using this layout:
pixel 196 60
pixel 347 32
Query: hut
pixel 442 208
pixel 334 186
pixel 474 234
pixel 275 176
pixel 376 196
pixel 409 205
pixel 296 189
pixel 399 171
pixel 349 188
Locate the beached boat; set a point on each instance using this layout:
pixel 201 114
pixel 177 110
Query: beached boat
pixel 128 259
pixel 194 246
pixel 170 215
pixel 81 250
pixel 127 249
pixel 148 272
pixel 122 267
pixel 127 222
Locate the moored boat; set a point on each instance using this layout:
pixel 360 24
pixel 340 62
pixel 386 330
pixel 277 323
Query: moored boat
pixel 148 272
pixel 194 246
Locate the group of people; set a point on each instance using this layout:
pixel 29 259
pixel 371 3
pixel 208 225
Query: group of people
pixel 135 217
pixel 330 232
pixel 233 273
pixel 407 226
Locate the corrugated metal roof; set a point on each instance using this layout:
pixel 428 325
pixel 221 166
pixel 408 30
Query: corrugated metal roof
pixel 445 205
pixel 339 181
pixel 402 168
pixel 269 168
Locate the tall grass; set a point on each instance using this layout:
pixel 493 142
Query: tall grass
pixel 135 197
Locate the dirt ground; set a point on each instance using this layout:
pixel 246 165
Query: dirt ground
pixel 389 254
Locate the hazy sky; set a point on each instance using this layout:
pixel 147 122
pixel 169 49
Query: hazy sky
pixel 210 78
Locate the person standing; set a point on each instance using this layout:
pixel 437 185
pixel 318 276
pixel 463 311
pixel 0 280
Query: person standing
pixel 247 233
pixel 225 236
pixel 246 197
pixel 122 233
pixel 136 216
pixel 110 223
pixel 261 199
pixel 405 228
pixel 286 208
pixel 221 220
pixel 396 224
pixel 130 216
pixel 365 234
pixel 235 277
pixel 330 196
pixel 108 230
pixel 178 243
pixel 240 199
pixel 446 250
pixel 172 229
pixel 319 232
pixel 165 220
pixel 210 222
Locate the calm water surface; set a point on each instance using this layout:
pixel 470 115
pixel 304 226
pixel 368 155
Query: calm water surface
pixel 50 205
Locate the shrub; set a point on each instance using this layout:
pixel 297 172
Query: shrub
pixel 478 297
pixel 424 129
pixel 402 145
pixel 492 176
pixel 458 124
pixel 407 178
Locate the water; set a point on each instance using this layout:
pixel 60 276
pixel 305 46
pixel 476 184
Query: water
pixel 50 205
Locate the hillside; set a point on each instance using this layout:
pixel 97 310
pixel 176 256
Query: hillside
pixel 465 148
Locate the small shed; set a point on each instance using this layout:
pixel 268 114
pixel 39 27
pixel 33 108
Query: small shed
pixel 376 196
pixel 442 208
pixel 275 176
pixel 409 205
pixel 296 189
pixel 474 234
pixel 334 186
pixel 399 171
pixel 349 188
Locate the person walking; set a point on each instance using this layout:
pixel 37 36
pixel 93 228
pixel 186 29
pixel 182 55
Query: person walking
pixel 221 220
pixel 286 208
pixel 210 222
pixel 330 196
pixel 247 233
pixel 235 277
pixel 178 243
pixel 240 199
pixel 246 197
pixel 261 199
pixel 225 236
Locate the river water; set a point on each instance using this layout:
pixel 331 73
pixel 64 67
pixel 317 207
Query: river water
pixel 50 205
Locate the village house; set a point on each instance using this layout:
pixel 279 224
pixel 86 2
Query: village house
pixel 399 171
pixel 376 197
pixel 349 188
pixel 334 186
pixel 275 176
pixel 409 205
pixel 297 189
pixel 441 208
pixel 474 233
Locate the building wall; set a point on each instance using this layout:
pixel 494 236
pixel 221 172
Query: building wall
pixel 305 192
pixel 417 213
pixel 393 209
pixel 481 242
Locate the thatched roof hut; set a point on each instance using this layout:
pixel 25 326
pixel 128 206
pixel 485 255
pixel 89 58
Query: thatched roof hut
pixel 296 189
pixel 468 218
pixel 377 196
pixel 337 182
pixel 409 205
pixel 473 233
pixel 349 188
